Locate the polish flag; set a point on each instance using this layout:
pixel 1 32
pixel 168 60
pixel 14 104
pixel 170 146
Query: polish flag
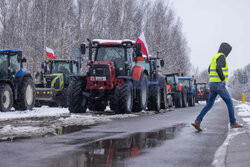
pixel 50 53
pixel 144 46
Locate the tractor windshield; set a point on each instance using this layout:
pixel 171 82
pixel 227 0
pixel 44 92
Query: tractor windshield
pixel 170 80
pixel 3 65
pixel 60 67
pixel 201 86
pixel 111 53
pixel 185 82
pixel 14 64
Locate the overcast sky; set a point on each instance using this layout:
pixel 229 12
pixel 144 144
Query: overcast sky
pixel 207 23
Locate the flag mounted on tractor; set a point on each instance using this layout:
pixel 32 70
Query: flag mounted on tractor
pixel 50 53
pixel 144 46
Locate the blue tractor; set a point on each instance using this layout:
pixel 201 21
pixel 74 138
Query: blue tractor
pixel 17 88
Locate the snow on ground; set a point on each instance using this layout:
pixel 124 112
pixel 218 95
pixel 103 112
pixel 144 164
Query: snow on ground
pixel 43 111
pixel 44 120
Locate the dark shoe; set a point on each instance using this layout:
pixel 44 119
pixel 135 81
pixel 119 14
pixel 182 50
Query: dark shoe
pixel 196 125
pixel 236 126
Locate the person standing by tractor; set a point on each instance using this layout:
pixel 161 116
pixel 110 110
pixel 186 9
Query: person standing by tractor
pixel 218 76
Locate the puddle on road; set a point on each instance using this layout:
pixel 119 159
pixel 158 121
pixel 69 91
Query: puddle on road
pixel 114 152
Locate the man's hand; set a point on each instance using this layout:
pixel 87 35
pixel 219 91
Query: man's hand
pixel 224 81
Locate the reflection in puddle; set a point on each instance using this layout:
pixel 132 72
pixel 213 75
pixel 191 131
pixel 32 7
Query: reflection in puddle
pixel 113 152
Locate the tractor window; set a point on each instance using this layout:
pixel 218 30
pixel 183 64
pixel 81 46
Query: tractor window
pixel 185 82
pixel 14 64
pixel 115 54
pixel 3 66
pixel 130 53
pixel 170 80
pixel 60 67
pixel 201 86
pixel 74 68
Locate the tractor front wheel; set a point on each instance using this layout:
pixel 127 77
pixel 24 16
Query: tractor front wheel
pixel 6 98
pixel 123 98
pixel 76 101
pixel 26 100
pixel 154 100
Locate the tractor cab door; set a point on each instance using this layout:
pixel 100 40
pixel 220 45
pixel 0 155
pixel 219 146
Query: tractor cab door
pixel 14 65
pixel 3 66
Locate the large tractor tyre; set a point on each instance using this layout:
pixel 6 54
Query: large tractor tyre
pixel 123 98
pixel 154 98
pixel 178 100
pixel 6 98
pixel 64 98
pixel 190 100
pixel 96 106
pixel 164 100
pixel 77 103
pixel 112 104
pixel 142 95
pixel 26 93
pixel 184 99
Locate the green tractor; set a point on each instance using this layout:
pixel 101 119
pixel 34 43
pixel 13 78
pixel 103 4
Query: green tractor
pixel 52 82
pixel 17 88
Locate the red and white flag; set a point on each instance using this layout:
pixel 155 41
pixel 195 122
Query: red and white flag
pixel 50 53
pixel 144 46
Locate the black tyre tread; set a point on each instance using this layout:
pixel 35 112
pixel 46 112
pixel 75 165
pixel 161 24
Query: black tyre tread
pixel 153 98
pixel 178 100
pixel 20 104
pixel 2 88
pixel 75 97
pixel 164 103
pixel 137 105
pixel 120 98
pixel 184 99
pixel 190 100
pixel 64 98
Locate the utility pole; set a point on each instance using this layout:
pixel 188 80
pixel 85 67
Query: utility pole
pixel 44 30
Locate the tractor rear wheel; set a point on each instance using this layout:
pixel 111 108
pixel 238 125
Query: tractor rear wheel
pixel 178 100
pixel 184 99
pixel 164 100
pixel 154 99
pixel 6 98
pixel 190 100
pixel 123 98
pixel 77 103
pixel 26 93
pixel 142 95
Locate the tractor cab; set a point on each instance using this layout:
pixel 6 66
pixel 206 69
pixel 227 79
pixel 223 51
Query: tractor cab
pixel 10 63
pixel 189 83
pixel 53 80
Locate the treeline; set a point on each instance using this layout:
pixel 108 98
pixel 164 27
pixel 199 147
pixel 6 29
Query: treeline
pixel 31 25
pixel 236 87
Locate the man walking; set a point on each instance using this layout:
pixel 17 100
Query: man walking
pixel 218 76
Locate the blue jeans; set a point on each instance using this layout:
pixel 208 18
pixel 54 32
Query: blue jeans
pixel 218 88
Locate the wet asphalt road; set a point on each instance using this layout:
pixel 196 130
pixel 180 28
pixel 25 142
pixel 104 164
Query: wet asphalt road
pixel 165 139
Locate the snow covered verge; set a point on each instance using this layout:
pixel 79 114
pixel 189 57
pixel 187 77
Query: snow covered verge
pixel 243 112
pixel 46 120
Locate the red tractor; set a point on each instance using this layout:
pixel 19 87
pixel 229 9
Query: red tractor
pixel 113 78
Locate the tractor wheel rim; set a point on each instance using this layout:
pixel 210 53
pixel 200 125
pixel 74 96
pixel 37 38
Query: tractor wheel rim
pixel 144 94
pixel 159 99
pixel 129 99
pixel 29 95
pixel 6 102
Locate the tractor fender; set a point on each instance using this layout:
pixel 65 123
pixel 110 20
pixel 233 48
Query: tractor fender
pixel 137 72
pixel 20 75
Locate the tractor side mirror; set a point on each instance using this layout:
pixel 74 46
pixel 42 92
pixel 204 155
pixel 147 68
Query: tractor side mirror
pixel 24 60
pixel 83 48
pixel 138 50
pixel 162 63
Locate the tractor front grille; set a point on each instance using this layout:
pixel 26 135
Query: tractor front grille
pixel 49 80
pixel 100 71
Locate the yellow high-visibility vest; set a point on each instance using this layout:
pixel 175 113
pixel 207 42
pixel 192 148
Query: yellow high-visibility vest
pixel 213 75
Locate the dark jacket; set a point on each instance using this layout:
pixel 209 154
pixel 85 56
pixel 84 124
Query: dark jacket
pixel 225 48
